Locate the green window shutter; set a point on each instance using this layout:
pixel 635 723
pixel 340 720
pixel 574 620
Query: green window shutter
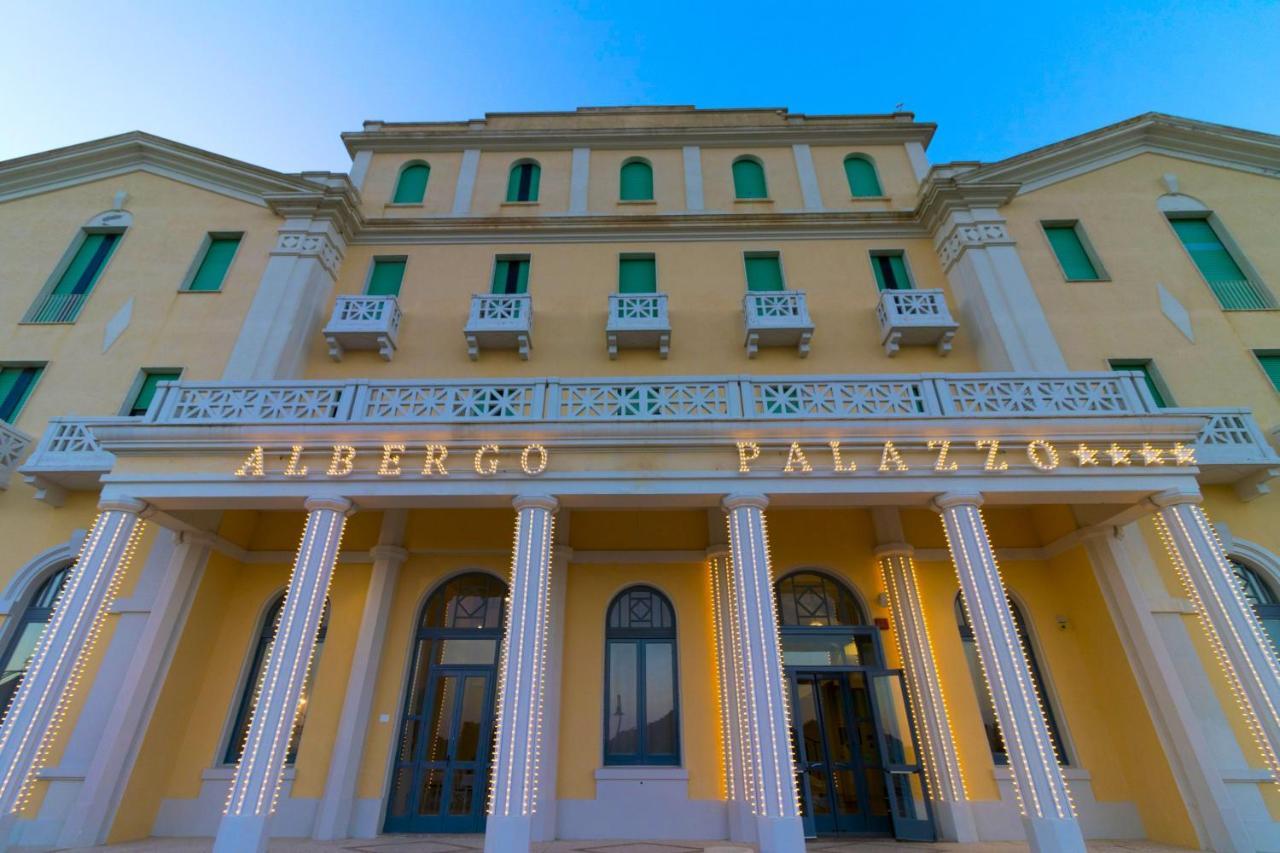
pixel 1066 244
pixel 1148 377
pixel 1219 268
pixel 213 266
pixel 862 177
pixel 385 278
pixel 891 271
pixel 522 183
pixel 1271 364
pixel 636 181
pixel 748 179
pixel 147 391
pixel 511 275
pixel 15 387
pixel 764 273
pixel 411 188
pixel 637 275
pixel 83 271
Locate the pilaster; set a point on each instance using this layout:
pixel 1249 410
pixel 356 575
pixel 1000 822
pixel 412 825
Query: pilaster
pixel 579 180
pixel 466 182
pixel 693 202
pixel 810 189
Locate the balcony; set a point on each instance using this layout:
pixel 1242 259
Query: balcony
pixel 915 318
pixel 68 458
pixel 363 323
pixel 13 443
pixel 500 321
pixel 56 308
pixel 776 318
pixel 638 321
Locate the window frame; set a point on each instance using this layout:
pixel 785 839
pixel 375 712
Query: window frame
pixel 1099 270
pixel 373 263
pixel 872 254
pixel 764 179
pixel 638 256
pixel 632 161
pixel 763 253
pixel 875 172
pixel 96 225
pixel 641 638
pixel 1258 355
pixel 527 257
pixel 1232 248
pixel 19 617
pixel 139 381
pixel 205 244
pixel 535 183
pixel 39 367
pixel 1139 365
pixel 395 188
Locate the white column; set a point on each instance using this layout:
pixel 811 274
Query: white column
pixel 334 816
pixel 1048 815
pixel 730 681
pixel 768 762
pixel 514 778
pixel 693 202
pixel 256 784
pixel 1243 648
pixel 947 794
pixel 36 711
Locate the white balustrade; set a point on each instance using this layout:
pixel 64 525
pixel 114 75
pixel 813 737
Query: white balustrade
pixel 638 321
pixel 13 443
pixel 915 317
pixel 776 318
pixel 363 323
pixel 500 321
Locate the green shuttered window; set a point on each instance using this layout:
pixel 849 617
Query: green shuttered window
pixel 213 267
pixel 891 271
pixel 411 188
pixel 764 272
pixel 637 275
pixel 385 277
pixel 861 173
pixel 511 275
pixel 146 392
pixel 1149 377
pixel 1228 282
pixel 636 181
pixel 16 383
pixel 62 304
pixel 522 183
pixel 748 179
pixel 1070 251
pixel 1270 362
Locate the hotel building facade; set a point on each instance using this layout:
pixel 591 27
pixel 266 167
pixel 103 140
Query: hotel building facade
pixel 643 473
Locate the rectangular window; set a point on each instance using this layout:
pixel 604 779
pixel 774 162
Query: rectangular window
pixel 1270 361
pixel 1069 247
pixel 1229 283
pixel 144 389
pixel 62 303
pixel 16 383
pixel 1145 366
pixel 385 277
pixel 764 272
pixel 891 270
pixel 637 274
pixel 214 263
pixel 511 275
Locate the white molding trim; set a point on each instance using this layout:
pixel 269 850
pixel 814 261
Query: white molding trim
pixel 25 579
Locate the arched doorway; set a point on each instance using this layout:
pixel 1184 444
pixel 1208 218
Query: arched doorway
pixel 856 764
pixel 441 772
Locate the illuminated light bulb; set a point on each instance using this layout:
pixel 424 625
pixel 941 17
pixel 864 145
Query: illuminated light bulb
pixel 486 467
pixel 1085 455
pixel 837 463
pixel 1151 455
pixel 748 452
pixel 993 461
pixel 542 459
pixel 343 460
pixel 1042 454
pixel 1119 455
pixel 890 457
pixel 436 454
pixel 1183 454
pixel 294 469
pixel 254 464
pixel 942 463
pixel 390 464
pixel 796 457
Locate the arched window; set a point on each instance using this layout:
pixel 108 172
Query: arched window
pixel 635 181
pixel 813 600
pixel 861 172
pixel 994 738
pixel 522 183
pixel 411 187
pixel 748 179
pixel 1262 597
pixel 262 648
pixel 641 713
pixel 26 633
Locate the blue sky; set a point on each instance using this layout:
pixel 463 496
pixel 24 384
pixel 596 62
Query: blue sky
pixel 275 83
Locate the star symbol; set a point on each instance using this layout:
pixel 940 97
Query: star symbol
pixel 1118 454
pixel 1183 455
pixel 1151 455
pixel 1085 454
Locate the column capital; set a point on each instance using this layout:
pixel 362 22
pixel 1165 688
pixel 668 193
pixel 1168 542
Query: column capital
pixel 388 554
pixel 329 502
pixel 732 502
pixel 547 502
pixel 895 549
pixel 716 551
pixel 1174 497
pixel 947 500
pixel 133 506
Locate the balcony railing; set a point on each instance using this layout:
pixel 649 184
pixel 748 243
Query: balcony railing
pixel 776 318
pixel 363 323
pixel 13 443
pixel 56 308
pixel 1242 295
pixel 638 321
pixel 500 321
pixel 915 317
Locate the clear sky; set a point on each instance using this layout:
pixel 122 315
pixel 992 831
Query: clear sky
pixel 275 83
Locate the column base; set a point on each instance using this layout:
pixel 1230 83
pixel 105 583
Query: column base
pixel 242 834
pixel 954 821
pixel 780 834
pixel 742 826
pixel 1053 835
pixel 508 834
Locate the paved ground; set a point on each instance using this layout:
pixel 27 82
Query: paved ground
pixel 455 843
